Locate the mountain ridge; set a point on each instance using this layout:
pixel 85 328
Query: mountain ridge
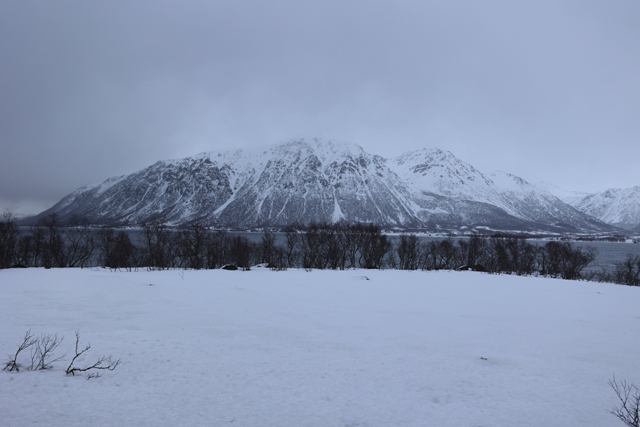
pixel 316 180
pixel 619 207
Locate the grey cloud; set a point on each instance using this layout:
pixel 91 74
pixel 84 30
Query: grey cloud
pixel 546 90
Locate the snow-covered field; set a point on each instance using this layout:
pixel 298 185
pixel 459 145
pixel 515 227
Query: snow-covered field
pixel 321 348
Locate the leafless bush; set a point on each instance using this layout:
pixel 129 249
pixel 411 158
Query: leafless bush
pixel 192 246
pixel 241 252
pixel 12 363
pixel 159 250
pixel 627 272
pixel 628 410
pixel 9 237
pixel 408 251
pixel 279 266
pixel 103 362
pixel 42 351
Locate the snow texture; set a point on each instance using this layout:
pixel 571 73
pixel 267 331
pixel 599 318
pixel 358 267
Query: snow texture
pixel 320 348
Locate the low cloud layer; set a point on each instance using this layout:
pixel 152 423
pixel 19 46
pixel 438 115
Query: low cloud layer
pixel 545 90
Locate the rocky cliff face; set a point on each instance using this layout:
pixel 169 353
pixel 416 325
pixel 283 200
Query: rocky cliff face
pixel 314 180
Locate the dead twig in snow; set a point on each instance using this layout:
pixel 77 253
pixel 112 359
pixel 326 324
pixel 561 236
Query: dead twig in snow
pixel 629 395
pixel 42 356
pixel 12 363
pixel 103 362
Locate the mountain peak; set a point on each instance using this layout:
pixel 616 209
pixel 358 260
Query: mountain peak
pixel 616 206
pixel 314 180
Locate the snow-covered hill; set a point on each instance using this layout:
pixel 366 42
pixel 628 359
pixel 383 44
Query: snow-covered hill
pixel 322 180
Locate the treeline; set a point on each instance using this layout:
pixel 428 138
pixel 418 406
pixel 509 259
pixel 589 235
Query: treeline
pixel 511 255
pixel 195 247
pixel 495 254
pixel 317 246
pixel 49 244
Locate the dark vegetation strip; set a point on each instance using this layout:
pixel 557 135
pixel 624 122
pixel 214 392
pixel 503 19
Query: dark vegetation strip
pixel 317 246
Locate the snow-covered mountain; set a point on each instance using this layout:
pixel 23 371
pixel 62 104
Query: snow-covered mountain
pixel 318 180
pixel 444 174
pixel 618 207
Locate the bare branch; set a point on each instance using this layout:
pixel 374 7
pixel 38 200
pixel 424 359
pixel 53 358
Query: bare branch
pixel 629 409
pixel 45 346
pixel 103 362
pixel 78 354
pixel 12 363
pixel 94 375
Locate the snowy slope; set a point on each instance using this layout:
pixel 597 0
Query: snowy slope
pixel 568 196
pixel 619 207
pixel 304 181
pixel 440 172
pixel 317 180
pixel 320 348
pixel 174 190
pixel 527 201
pixel 300 181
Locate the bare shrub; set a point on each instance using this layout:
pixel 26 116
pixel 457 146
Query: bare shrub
pixel 241 252
pixel 565 260
pixel 440 255
pixel 408 252
pixel 42 356
pixel 117 250
pixel 374 246
pixel 266 248
pixel 627 272
pixel 628 410
pixel 9 237
pixel 12 363
pixel 103 362
pixel 191 245
pixel 291 252
pixel 80 243
pixel 159 250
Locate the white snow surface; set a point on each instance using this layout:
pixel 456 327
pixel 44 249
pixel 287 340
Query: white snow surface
pixel 568 196
pixel 320 348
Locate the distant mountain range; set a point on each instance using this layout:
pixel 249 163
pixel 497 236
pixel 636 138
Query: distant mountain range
pixel 315 180
pixel 617 207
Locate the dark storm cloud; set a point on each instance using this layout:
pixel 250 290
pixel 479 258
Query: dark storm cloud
pixel 547 90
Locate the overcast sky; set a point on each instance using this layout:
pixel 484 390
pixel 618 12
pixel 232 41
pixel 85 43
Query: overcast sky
pixel 546 90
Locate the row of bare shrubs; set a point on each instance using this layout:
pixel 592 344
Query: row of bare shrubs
pixel 319 246
pixel 49 244
pixel 512 255
pixel 496 254
pixel 335 246
pixel 42 355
